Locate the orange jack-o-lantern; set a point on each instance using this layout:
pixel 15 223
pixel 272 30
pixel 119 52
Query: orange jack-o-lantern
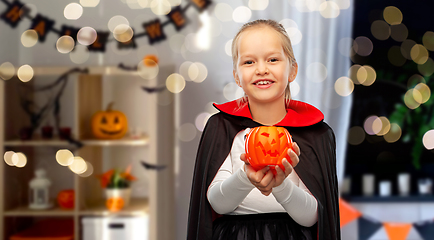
pixel 65 199
pixel 267 146
pixel 150 60
pixel 109 124
pixel 115 204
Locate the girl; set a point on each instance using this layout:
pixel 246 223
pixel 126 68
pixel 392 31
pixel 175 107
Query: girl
pixel 229 199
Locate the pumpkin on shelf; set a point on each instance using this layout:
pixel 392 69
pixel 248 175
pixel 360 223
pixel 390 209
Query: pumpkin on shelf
pixel 109 124
pixel 267 146
pixel 115 204
pixel 66 199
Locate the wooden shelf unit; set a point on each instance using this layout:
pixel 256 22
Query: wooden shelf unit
pixel 89 201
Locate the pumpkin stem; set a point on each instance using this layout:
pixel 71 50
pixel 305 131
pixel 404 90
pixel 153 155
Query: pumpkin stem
pixel 110 106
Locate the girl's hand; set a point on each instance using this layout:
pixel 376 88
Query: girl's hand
pixel 263 179
pixel 281 175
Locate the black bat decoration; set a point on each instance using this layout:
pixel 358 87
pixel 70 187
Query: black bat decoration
pixel 149 166
pixel 153 89
pixel 122 66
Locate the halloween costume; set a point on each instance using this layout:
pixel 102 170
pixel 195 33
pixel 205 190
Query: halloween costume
pixel 317 166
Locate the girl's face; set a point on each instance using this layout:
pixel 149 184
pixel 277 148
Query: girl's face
pixel 263 70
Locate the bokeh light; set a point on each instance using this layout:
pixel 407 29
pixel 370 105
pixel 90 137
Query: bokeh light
pixel 316 72
pixel 380 30
pixel 295 88
pixel 8 158
pixel 73 11
pixel 426 69
pixel 201 120
pixel 191 43
pixel 116 21
pixel 175 83
pixel 424 91
pixel 428 40
pixel 343 4
pixel 344 86
pixel 65 44
pixel 184 69
pixel 7 70
pixel 414 80
pixel 419 54
pixel 356 135
pixel 86 36
pixel 394 133
pixel 64 157
pixel 123 33
pixel 79 55
pixel 25 73
pixel 329 9
pixel 353 71
pixel 198 72
pixel 187 132
pixel 392 15
pixel 232 91
pixel 412 98
pixel 160 7
pixel 223 12
pixel 19 159
pixel 428 139
pixel 371 75
pixel 363 46
pixel 295 35
pixel 228 48
pixel 29 38
pixel 399 32
pixel 78 166
pixel 258 4
pixel 89 170
pixel 368 125
pixel 385 126
pixel 89 3
pixel 395 56
pixel 406 47
pixel 147 71
pixel 241 14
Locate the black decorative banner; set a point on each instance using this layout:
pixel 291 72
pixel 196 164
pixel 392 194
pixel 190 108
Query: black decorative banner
pixel 100 42
pixel 367 227
pixel 42 25
pixel 14 14
pixel 425 229
pixel 178 18
pixel 154 31
pixel 201 4
pixel 69 31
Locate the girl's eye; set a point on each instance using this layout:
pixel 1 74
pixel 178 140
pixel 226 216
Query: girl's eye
pixel 273 60
pixel 248 62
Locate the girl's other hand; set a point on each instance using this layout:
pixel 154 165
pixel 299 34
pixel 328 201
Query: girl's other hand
pixel 281 175
pixel 263 179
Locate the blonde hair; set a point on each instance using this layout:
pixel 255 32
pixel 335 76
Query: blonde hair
pixel 286 44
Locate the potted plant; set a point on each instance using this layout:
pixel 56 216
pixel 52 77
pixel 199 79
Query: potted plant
pixel 117 186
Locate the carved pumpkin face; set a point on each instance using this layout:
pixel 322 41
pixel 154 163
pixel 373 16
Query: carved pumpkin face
pixel 267 146
pixel 109 124
pixel 115 204
pixel 65 199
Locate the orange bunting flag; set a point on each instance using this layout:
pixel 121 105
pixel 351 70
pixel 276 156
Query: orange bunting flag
pixel 397 231
pixel 347 212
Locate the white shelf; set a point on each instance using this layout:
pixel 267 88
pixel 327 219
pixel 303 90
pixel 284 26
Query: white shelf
pixel 143 141
pixel 103 70
pixel 137 207
pixel 24 211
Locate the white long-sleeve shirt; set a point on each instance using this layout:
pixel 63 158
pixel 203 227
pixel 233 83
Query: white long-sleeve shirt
pixel 231 192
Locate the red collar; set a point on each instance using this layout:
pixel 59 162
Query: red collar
pixel 298 114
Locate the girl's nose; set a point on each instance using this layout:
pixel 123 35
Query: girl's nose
pixel 261 69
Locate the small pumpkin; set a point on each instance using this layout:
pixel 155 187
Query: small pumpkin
pixel 115 204
pixel 109 124
pixel 65 199
pixel 267 146
pixel 150 60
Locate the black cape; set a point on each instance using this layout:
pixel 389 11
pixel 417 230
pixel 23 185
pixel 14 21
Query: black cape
pixel 317 170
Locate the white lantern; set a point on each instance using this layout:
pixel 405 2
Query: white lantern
pixel 39 195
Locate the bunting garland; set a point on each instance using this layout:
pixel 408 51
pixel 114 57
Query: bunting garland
pixel 16 10
pixel 371 229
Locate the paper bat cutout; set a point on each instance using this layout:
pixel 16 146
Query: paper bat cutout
pixel 122 66
pixel 153 89
pixel 149 166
